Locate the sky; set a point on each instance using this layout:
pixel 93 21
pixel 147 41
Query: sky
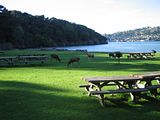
pixel 103 16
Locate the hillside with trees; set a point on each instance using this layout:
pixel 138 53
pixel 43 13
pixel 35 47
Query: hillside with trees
pixel 143 34
pixel 23 30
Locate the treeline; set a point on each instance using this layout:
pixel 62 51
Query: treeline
pixel 23 30
pixel 142 34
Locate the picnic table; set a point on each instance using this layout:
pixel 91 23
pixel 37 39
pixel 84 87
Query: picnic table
pixel 144 55
pixel 99 86
pixel 147 80
pixel 22 58
pixel 9 59
pixel 27 59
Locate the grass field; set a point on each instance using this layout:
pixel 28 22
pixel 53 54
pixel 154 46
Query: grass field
pixel 50 91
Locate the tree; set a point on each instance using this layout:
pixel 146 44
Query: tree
pixel 18 37
pixel 24 30
pixel 2 9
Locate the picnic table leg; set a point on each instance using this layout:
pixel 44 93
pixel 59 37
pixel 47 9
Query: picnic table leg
pixel 97 88
pixel 152 91
pixel 10 61
pixel 87 88
pixel 135 96
pixel 101 96
pixel 102 100
pixel 90 88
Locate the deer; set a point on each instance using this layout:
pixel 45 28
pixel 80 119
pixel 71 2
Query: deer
pixel 72 60
pixel 89 55
pixel 56 57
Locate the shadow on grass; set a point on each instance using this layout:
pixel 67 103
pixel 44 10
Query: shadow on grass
pixel 27 101
pixel 123 102
pixel 104 66
pixel 27 86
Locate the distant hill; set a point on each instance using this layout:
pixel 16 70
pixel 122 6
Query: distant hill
pixel 23 30
pixel 142 34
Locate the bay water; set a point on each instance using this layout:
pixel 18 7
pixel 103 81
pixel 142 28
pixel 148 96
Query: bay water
pixel 119 46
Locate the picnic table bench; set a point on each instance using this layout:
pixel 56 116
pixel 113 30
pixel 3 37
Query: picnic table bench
pixel 98 86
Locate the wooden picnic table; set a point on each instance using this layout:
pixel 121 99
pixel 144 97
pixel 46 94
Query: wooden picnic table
pixel 148 78
pixel 100 82
pixel 135 55
pixel 98 86
pixel 144 55
pixel 26 59
pixel 9 59
pixel 12 59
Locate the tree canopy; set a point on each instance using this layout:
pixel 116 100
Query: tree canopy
pixel 23 30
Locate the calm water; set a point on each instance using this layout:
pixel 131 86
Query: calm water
pixel 119 46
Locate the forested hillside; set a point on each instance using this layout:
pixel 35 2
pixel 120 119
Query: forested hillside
pixel 23 30
pixel 143 34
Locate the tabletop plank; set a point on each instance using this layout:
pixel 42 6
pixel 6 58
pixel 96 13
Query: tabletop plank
pixel 110 78
pixel 147 75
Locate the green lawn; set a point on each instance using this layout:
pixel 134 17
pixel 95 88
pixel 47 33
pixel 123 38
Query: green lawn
pixel 50 91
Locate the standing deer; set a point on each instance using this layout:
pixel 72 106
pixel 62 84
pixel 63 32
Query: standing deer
pixel 89 55
pixel 56 57
pixel 72 60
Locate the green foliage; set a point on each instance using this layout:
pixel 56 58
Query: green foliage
pixel 23 30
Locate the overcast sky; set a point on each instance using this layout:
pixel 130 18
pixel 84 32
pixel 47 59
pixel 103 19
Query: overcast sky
pixel 104 16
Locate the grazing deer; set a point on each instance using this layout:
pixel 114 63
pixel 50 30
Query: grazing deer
pixel 72 60
pixel 56 57
pixel 89 55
